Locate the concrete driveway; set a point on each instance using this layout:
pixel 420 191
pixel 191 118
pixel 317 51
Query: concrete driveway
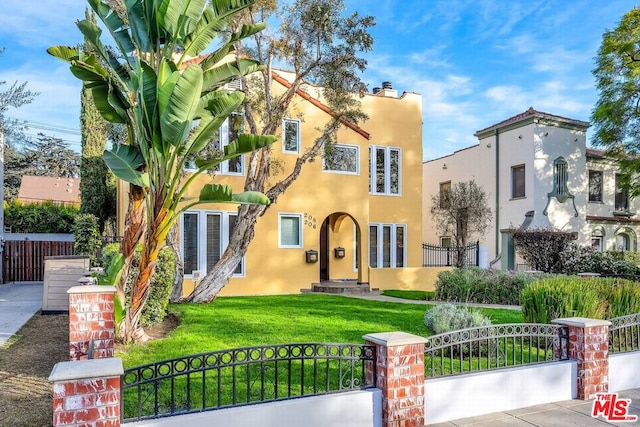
pixel 18 302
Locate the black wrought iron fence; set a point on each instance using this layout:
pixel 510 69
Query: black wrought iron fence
pixel 624 334
pixel 494 347
pixel 243 376
pixel 443 256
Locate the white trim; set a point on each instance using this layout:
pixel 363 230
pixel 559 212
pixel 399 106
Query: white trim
pixel 387 170
pixel 298 136
pixel 347 146
pixel 355 247
pixel 300 233
pixel 223 140
pixel 202 246
pixel 393 244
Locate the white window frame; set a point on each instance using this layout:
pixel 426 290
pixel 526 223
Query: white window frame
pixel 298 136
pixel 300 233
pixel 223 139
pixel 373 153
pixel 393 244
pixel 202 244
pixel 355 248
pixel 347 146
pixel 524 183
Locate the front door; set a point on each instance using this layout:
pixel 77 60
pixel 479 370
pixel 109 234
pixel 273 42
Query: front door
pixel 324 250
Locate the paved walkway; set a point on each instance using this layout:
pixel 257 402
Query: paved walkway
pixel 18 303
pixel 568 413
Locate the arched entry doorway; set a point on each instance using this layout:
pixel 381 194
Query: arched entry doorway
pixel 340 248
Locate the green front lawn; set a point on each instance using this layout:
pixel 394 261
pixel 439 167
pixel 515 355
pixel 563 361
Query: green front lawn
pixel 253 321
pixel 411 295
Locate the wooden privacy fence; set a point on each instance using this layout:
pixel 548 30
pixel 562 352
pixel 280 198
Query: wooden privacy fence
pixel 23 260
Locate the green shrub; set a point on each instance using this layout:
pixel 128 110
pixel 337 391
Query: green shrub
pixel 161 281
pixel 87 237
pixel 45 217
pixel 473 284
pixel 542 248
pixel 597 298
pixel 585 259
pixel 447 317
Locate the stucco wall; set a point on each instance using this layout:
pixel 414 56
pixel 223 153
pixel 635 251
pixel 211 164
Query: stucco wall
pixel 412 278
pixel 624 371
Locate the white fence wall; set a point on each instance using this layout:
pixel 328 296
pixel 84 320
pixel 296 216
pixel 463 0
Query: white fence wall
pixel 469 395
pixel 40 237
pixel 624 371
pixel 353 409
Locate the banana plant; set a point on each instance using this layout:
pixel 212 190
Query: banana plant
pixel 172 100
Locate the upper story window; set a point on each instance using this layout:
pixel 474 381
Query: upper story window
pixel 228 132
pixel 445 195
pixel 622 199
pixel 291 136
pixel 560 177
pixel 385 170
pixel 517 181
pixel 341 158
pixel 595 186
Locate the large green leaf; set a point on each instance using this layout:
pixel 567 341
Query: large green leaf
pixel 116 26
pixel 181 16
pixel 111 277
pixel 92 34
pixel 177 118
pixel 246 144
pixel 148 97
pixel 138 24
pixel 217 76
pixel 247 30
pixel 216 193
pixel 125 162
pixel 224 8
pixel 104 104
pixel 66 53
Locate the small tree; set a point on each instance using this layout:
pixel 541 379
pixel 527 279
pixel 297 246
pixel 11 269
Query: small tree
pixel 462 212
pixel 542 248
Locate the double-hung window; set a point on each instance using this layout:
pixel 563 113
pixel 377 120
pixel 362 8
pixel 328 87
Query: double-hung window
pixel 204 237
pixel 595 186
pixel 341 158
pixel 445 195
pixel 290 230
pixel 228 132
pixel 387 245
pixel 517 182
pixel 291 136
pixel 385 170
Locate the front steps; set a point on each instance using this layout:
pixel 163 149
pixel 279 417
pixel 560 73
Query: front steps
pixel 340 287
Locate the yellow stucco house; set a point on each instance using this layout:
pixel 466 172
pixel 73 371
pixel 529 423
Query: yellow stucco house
pixel 358 213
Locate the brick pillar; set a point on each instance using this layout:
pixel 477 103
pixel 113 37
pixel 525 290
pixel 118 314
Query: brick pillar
pixel 91 322
pixel 400 376
pixel 589 346
pixel 87 393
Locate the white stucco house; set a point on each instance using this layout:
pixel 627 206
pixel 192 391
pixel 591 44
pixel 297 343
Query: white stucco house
pixel 538 173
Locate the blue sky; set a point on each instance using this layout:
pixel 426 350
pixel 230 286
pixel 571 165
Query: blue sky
pixel 474 62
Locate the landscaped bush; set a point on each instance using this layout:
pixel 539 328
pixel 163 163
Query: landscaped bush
pixel 45 217
pixel 161 281
pixel 541 248
pixel 597 298
pixel 447 317
pixel 473 284
pixel 585 259
pixel 87 237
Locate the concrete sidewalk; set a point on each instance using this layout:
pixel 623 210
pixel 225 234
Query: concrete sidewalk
pixel 18 303
pixel 568 413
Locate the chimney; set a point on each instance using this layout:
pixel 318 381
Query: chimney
pixel 376 90
pixel 387 85
pixel 386 91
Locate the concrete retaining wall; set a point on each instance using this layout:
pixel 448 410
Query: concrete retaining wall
pixel 624 371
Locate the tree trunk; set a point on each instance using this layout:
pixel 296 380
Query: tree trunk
pixel 174 242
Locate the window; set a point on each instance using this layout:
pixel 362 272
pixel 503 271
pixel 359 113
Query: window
pixel 205 235
pixel 597 237
pixel 595 186
pixel 445 241
pixel 517 182
pixel 387 243
pixel 228 132
pixel 291 136
pixel 622 200
pixel 385 169
pixel 445 195
pixel 341 158
pixel 290 231
pixel 560 177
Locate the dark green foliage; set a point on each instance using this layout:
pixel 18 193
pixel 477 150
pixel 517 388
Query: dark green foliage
pixel 410 295
pixel 570 296
pixel 541 248
pixel 473 284
pixel 45 217
pixel 585 259
pixel 87 235
pixel 161 282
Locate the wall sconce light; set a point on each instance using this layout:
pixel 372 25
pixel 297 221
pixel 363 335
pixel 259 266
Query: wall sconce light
pixel 520 136
pixel 339 252
pixel 489 145
pixel 444 166
pixel 311 256
pixel 546 134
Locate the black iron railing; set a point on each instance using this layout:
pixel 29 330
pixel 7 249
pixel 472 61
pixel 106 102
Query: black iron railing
pixel 443 256
pixel 624 334
pixel 494 347
pixel 243 376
